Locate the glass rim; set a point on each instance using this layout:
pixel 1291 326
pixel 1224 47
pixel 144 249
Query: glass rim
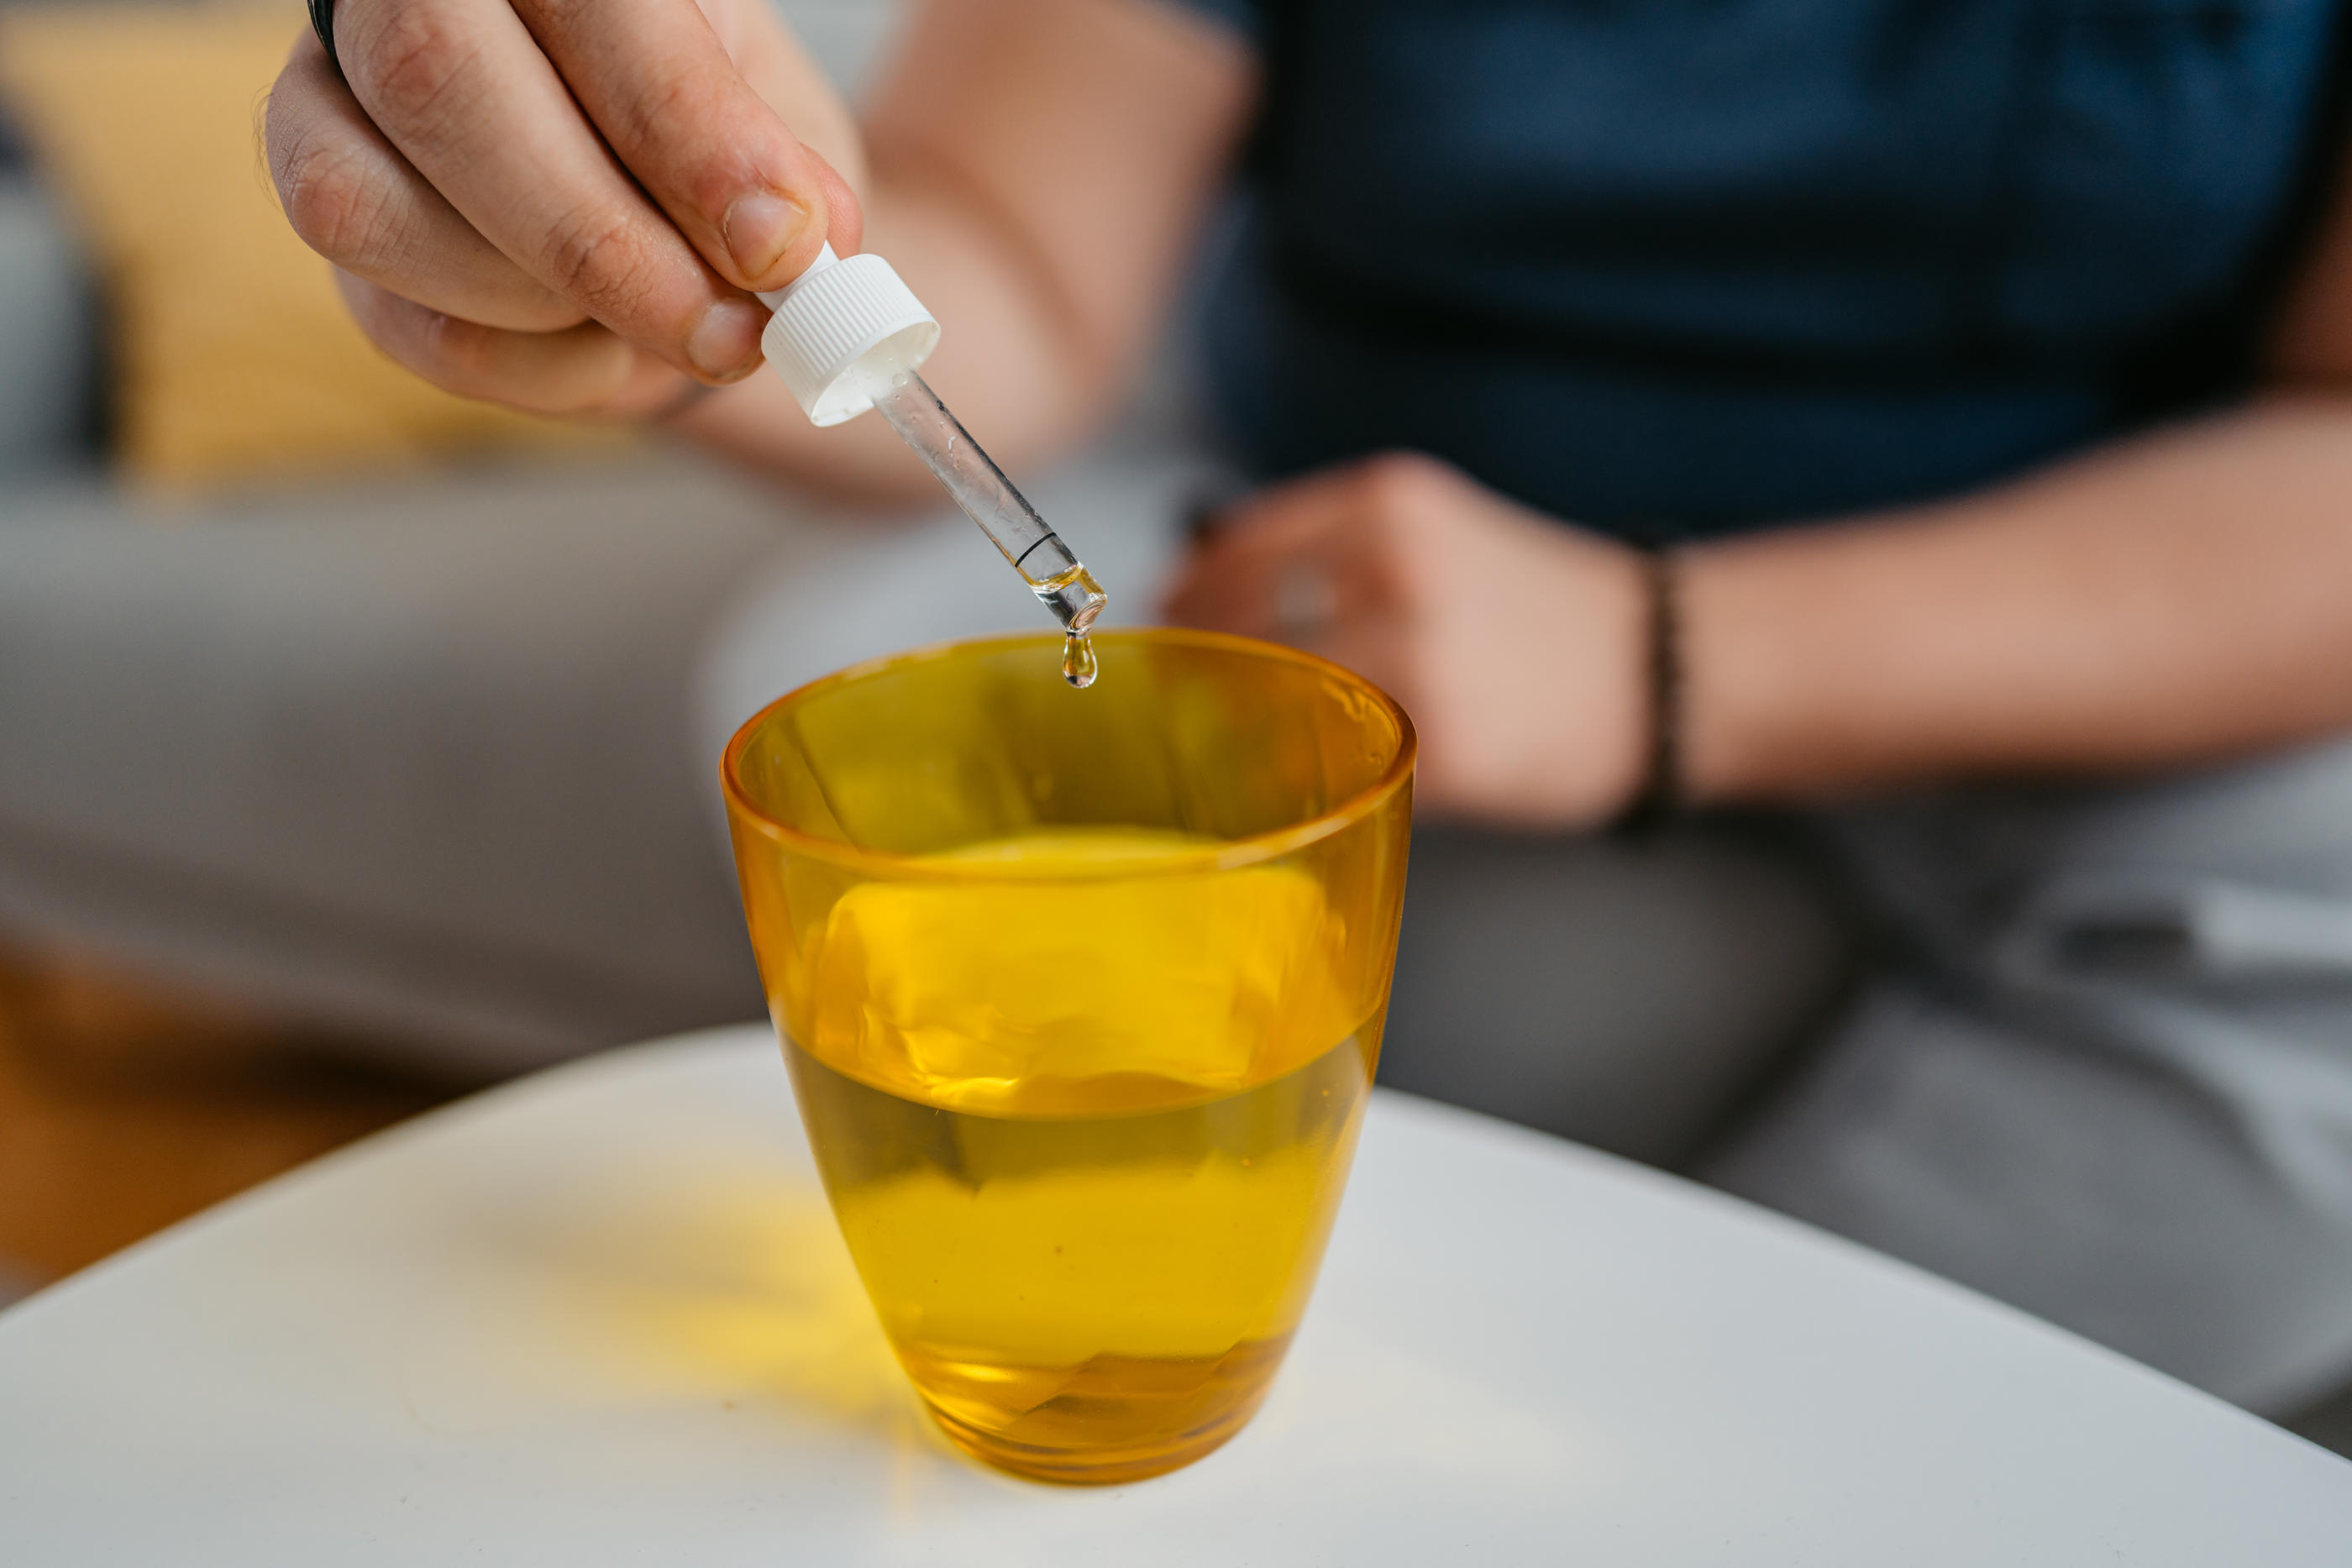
pixel 1224 854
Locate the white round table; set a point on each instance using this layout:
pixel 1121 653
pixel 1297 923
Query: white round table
pixel 602 1316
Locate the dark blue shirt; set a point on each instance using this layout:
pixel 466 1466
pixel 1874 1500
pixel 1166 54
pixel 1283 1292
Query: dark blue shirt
pixel 1681 267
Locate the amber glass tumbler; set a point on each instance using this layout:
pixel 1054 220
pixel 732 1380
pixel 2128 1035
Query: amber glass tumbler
pixel 1081 994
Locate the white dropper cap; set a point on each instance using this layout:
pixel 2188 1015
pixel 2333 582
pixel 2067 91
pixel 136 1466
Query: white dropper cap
pixel 835 317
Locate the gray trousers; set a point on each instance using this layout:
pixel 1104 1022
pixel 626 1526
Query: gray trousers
pixel 2088 1049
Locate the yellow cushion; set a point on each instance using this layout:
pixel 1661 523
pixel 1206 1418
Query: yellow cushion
pixel 233 357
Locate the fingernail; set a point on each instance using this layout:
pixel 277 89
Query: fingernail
pixel 757 228
pixel 725 344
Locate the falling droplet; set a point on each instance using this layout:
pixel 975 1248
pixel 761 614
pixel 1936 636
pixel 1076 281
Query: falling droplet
pixel 1078 666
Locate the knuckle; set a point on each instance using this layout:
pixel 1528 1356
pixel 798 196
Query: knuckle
pixel 414 58
pixel 481 363
pixel 467 358
pixel 408 335
pixel 677 105
pixel 593 256
pixel 707 151
pixel 685 135
pixel 1399 484
pixel 457 354
pixel 330 202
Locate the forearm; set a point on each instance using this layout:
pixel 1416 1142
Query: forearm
pixel 2183 596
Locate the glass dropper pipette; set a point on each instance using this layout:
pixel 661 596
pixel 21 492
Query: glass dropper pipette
pixel 849 335
pixel 1061 582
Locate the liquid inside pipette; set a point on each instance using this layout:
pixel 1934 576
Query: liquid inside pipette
pixel 1055 575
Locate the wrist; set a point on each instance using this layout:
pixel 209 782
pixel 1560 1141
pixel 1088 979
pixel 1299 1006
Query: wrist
pixel 1617 747
pixel 1772 683
pixel 1722 670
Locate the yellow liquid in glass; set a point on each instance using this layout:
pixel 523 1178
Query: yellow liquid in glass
pixel 1085 1142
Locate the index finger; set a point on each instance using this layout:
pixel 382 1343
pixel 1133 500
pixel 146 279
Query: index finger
pixel 461 89
pixel 657 82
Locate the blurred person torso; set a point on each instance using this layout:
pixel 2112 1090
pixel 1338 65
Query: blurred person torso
pixel 1683 266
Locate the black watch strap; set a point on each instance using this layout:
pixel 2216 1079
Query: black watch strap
pixel 1661 793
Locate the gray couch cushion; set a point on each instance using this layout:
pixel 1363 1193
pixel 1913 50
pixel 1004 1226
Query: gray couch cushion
pixel 416 761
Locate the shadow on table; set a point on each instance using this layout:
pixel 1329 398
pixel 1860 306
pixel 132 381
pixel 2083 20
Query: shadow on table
pixel 680 1291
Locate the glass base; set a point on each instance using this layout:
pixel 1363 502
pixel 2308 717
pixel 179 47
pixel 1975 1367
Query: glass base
pixel 1095 1467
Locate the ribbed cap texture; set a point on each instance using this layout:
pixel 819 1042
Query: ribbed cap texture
pixel 833 317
